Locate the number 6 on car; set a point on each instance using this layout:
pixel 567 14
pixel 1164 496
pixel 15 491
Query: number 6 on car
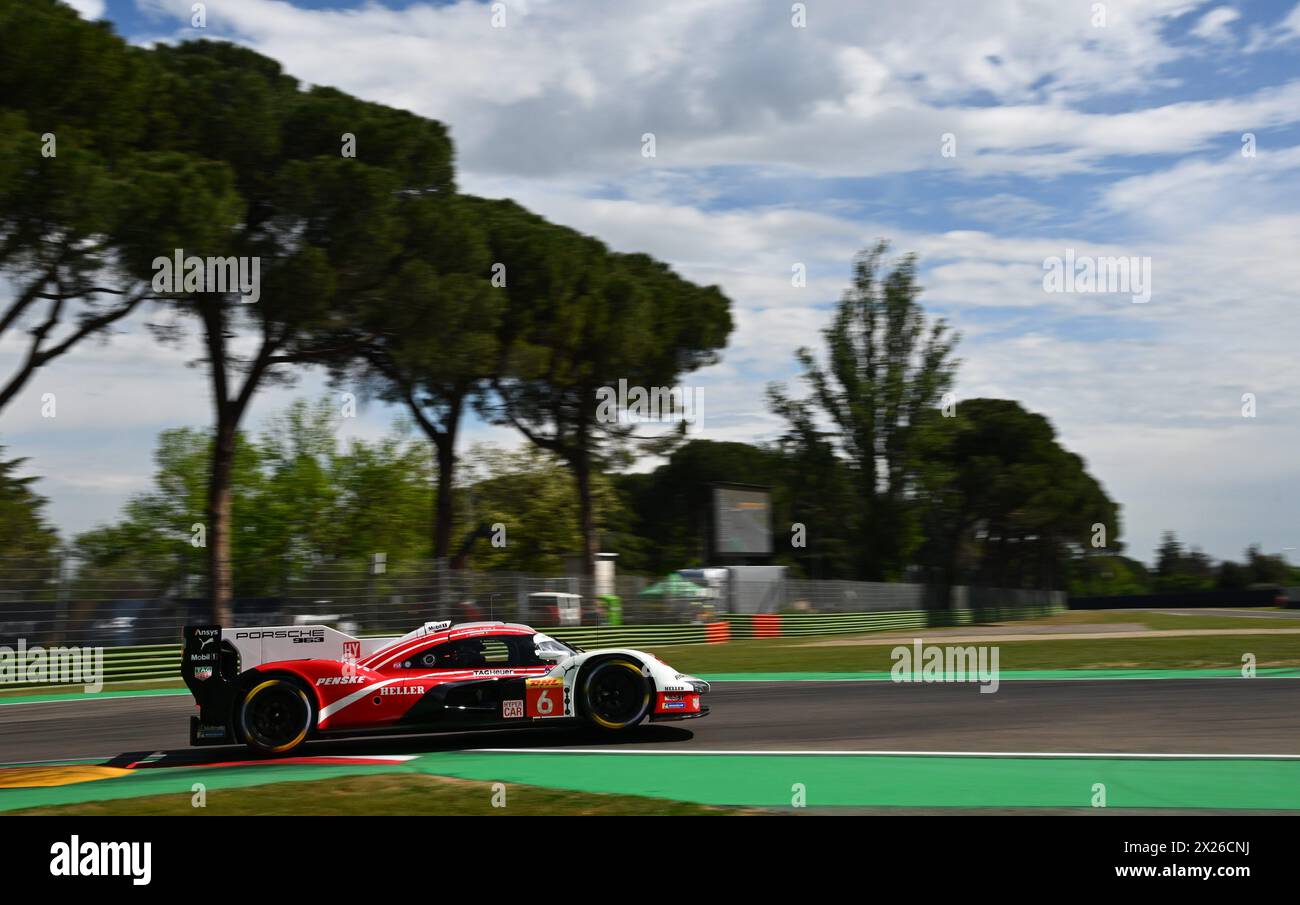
pixel 544 697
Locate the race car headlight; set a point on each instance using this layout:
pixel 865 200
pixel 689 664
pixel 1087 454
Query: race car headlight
pixel 699 685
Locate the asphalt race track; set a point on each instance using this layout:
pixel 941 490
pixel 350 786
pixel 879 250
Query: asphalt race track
pixel 1165 716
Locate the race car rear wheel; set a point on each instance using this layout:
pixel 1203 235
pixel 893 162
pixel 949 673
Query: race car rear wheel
pixel 276 716
pixel 615 694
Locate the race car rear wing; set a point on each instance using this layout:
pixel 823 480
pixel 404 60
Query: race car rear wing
pixel 268 643
pixel 209 668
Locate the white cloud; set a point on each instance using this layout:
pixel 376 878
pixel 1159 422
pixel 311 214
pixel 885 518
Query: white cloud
pixel 1215 25
pixel 88 9
pixel 569 89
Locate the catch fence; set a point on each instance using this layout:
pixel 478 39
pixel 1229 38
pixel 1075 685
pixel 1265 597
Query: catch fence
pixel 136 614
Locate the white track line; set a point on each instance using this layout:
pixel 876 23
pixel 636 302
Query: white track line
pixel 1006 678
pixel 325 759
pixel 1042 754
pixel 91 697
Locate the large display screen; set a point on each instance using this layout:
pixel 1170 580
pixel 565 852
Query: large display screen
pixel 742 521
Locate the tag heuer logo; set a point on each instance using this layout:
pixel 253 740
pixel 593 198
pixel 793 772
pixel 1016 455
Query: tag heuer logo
pixel 203 672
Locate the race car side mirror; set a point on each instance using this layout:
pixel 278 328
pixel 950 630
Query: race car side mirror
pixel 553 655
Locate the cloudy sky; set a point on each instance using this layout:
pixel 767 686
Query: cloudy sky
pixel 988 137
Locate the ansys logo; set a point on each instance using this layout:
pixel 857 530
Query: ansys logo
pixel 103 859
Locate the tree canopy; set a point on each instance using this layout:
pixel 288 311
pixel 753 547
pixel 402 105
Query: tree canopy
pixel 76 213
pixel 582 318
pixel 298 495
pixel 885 365
pixel 426 338
pixel 1005 505
pixel 26 539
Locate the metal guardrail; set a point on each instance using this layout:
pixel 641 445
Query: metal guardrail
pixel 630 635
pixel 793 625
pixel 162 661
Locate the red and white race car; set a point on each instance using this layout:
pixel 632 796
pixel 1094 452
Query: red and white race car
pixel 275 687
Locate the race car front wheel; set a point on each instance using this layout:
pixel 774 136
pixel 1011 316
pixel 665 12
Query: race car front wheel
pixel 615 694
pixel 275 716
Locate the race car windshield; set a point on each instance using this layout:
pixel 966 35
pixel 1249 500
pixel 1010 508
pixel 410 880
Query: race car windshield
pixel 546 642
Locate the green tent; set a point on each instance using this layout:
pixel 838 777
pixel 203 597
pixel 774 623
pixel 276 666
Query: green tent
pixel 674 586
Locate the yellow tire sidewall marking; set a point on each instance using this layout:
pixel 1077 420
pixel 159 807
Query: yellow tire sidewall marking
pixel 248 698
pixel 628 664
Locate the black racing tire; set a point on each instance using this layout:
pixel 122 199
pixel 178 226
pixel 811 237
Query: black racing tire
pixel 614 694
pixel 276 715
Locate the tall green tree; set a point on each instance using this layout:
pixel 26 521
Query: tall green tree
pixel 1108 575
pixel 26 538
pixel 580 319
pixel 1181 569
pixel 1005 505
pixel 323 182
pixel 73 208
pixel 157 540
pixel 1266 570
pixel 427 338
pixel 324 499
pixel 885 365
pixel 298 495
pixel 815 489
pixel 531 495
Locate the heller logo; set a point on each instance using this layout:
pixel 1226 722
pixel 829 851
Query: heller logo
pixel 103 859
pixel 398 690
pixel 181 275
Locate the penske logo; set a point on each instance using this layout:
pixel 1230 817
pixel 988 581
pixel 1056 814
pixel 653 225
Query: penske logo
pixel 342 680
